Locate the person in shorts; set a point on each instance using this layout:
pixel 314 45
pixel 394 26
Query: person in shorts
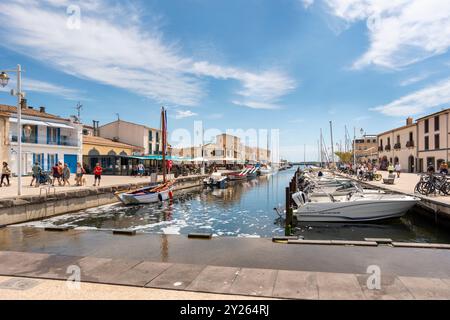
pixel 98 170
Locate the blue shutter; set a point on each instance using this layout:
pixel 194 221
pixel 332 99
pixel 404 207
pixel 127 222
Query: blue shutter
pixel 42 161
pixel 34 158
pixel 56 158
pixel 59 135
pixel 36 135
pixel 48 135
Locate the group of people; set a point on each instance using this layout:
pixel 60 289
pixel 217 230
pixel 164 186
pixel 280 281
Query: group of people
pixel 61 174
pixel 397 169
pixel 443 168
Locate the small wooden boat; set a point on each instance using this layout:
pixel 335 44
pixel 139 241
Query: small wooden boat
pixel 151 194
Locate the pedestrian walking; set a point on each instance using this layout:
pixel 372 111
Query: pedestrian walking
pixel 36 173
pixel 66 174
pixel 56 174
pixel 79 174
pixel 391 168
pixel 98 170
pixel 141 170
pixel 6 172
pixel 398 169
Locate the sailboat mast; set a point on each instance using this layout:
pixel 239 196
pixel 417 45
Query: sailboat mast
pixel 163 129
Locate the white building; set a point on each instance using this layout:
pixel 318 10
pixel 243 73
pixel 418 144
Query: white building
pixel 46 139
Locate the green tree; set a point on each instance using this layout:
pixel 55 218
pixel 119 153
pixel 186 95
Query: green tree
pixel 345 157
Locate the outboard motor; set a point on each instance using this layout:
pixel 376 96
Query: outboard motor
pixel 299 198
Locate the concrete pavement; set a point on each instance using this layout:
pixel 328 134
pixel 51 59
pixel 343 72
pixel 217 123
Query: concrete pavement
pixel 99 279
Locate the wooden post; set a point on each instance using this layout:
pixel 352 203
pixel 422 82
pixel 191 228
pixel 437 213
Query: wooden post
pixel 288 220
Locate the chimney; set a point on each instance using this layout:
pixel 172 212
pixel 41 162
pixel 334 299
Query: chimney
pixel 42 109
pixel 409 121
pixel 23 104
pixel 96 130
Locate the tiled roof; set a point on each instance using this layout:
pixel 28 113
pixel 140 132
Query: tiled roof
pixel 11 110
pixel 107 142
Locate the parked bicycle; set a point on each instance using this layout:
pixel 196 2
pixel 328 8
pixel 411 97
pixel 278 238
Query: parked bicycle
pixel 432 184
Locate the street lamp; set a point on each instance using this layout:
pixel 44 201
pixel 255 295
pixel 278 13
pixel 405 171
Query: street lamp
pixel 4 79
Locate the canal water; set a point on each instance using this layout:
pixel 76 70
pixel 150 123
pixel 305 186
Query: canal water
pixel 244 209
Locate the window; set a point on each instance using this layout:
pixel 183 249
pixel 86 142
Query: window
pixel 29 134
pixel 436 123
pixel 426 126
pixel 374 140
pixel 53 135
pixel 389 141
pixel 427 143
pixel 381 142
pixel 150 136
pixel 436 141
pixel 150 148
pixel 398 138
pixel 411 136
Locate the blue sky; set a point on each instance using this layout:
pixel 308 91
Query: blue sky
pixel 291 65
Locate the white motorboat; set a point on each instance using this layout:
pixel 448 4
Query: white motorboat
pixel 266 170
pixel 216 179
pixel 355 207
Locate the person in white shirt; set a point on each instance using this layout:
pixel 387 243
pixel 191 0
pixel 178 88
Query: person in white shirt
pixel 398 169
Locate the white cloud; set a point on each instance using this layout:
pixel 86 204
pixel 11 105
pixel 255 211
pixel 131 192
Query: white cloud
pixel 181 114
pixel 401 32
pixel 45 87
pixel 418 102
pixel 124 53
pixel 415 79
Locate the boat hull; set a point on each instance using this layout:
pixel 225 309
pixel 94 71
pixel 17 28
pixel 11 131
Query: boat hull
pixel 147 198
pixel 355 211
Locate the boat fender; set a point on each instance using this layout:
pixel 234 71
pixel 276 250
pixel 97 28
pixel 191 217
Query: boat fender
pixel 160 198
pixel 170 195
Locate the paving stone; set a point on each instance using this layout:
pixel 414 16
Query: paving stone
pixel 53 267
pixel 18 284
pixel 214 279
pixel 255 282
pixel 141 274
pixel 342 286
pixel 178 276
pixel 296 285
pixel 427 288
pixel 104 270
pixel 391 288
pixel 17 263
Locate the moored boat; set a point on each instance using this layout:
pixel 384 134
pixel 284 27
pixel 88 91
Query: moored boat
pixel 354 207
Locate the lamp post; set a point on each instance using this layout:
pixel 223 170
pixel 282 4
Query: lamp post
pixel 4 79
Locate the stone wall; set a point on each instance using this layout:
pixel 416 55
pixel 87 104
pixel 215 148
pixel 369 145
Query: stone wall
pixel 30 208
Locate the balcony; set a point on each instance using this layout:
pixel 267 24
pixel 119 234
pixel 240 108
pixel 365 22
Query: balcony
pixel 397 146
pixel 64 141
pixel 387 147
pixel 410 144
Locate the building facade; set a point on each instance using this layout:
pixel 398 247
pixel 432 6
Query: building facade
pixel 433 144
pixel 399 146
pixel 366 149
pixel 46 139
pixel 149 139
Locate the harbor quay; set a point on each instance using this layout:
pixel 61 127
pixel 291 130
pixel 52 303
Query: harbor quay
pixel 188 266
